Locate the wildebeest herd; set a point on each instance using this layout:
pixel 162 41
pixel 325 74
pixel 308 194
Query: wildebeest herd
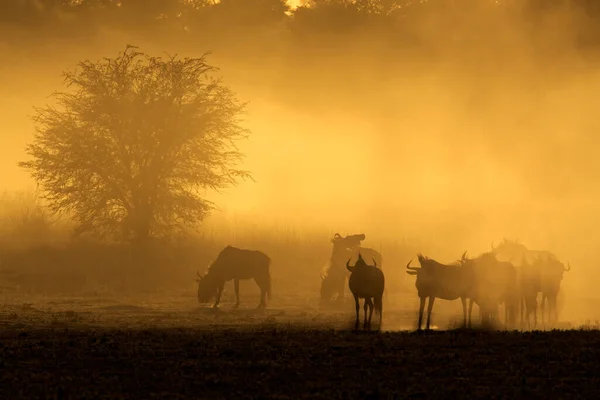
pixel 509 276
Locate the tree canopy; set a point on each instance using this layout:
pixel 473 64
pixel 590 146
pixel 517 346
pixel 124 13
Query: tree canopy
pixel 129 151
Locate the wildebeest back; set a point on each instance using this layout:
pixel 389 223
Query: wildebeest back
pixel 235 263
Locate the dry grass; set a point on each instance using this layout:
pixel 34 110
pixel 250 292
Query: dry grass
pixel 38 255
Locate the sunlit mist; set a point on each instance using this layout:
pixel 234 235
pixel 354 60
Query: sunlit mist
pixel 474 131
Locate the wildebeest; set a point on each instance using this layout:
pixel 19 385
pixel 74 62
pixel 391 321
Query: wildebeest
pixel 236 264
pixel 494 283
pixel 551 272
pixel 333 278
pixel 436 280
pixel 366 282
pixel 541 271
pixel 529 286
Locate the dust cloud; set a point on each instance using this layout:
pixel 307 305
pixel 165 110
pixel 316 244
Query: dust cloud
pixel 481 127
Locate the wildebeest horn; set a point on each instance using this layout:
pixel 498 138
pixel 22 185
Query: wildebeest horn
pixel 464 256
pixel 322 276
pixel 568 267
pixel 337 236
pixel 348 263
pixel 411 268
pixel 374 263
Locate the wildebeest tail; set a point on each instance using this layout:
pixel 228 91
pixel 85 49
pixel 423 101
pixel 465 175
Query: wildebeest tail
pixel 378 303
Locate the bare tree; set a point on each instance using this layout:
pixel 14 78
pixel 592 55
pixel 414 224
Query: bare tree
pixel 129 151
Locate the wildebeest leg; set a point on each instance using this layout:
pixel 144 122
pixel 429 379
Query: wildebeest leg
pixel 522 309
pixel 470 311
pixel 527 311
pixel 365 307
pixel 429 308
pixel 236 285
pixel 263 299
pixel 369 306
pixel 219 292
pixel 552 311
pixel 421 308
pixel 555 307
pixel 463 300
pixel 263 293
pixel 543 308
pixel 356 324
pixel 379 301
pixel 535 307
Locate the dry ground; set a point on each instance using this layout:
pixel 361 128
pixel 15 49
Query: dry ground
pixel 167 346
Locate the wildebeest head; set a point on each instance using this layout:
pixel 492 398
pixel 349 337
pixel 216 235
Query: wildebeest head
pixel 551 266
pixel 206 288
pixel 359 263
pixel 349 241
pixel 556 264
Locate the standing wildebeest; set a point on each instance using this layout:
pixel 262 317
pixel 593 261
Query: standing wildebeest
pixel 448 282
pixel 366 282
pixel 236 264
pixel 333 279
pixel 551 272
pixel 542 272
pixel 529 286
pixel 495 282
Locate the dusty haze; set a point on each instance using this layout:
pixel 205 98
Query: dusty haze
pixel 490 132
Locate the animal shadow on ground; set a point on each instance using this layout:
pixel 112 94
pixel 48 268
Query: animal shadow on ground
pixel 349 326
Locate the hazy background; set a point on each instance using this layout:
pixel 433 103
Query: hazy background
pixel 441 124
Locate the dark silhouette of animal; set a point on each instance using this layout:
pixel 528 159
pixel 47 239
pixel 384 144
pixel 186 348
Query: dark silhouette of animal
pixel 494 283
pixel 551 272
pixel 333 278
pixel 436 280
pixel 366 282
pixel 541 272
pixel 235 264
pixel 529 286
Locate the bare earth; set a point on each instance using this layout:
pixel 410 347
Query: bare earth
pixel 95 347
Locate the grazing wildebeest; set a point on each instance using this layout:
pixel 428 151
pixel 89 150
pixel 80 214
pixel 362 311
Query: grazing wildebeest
pixel 236 264
pixel 366 282
pixel 495 283
pixel 333 278
pixel 436 280
pixel 541 271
